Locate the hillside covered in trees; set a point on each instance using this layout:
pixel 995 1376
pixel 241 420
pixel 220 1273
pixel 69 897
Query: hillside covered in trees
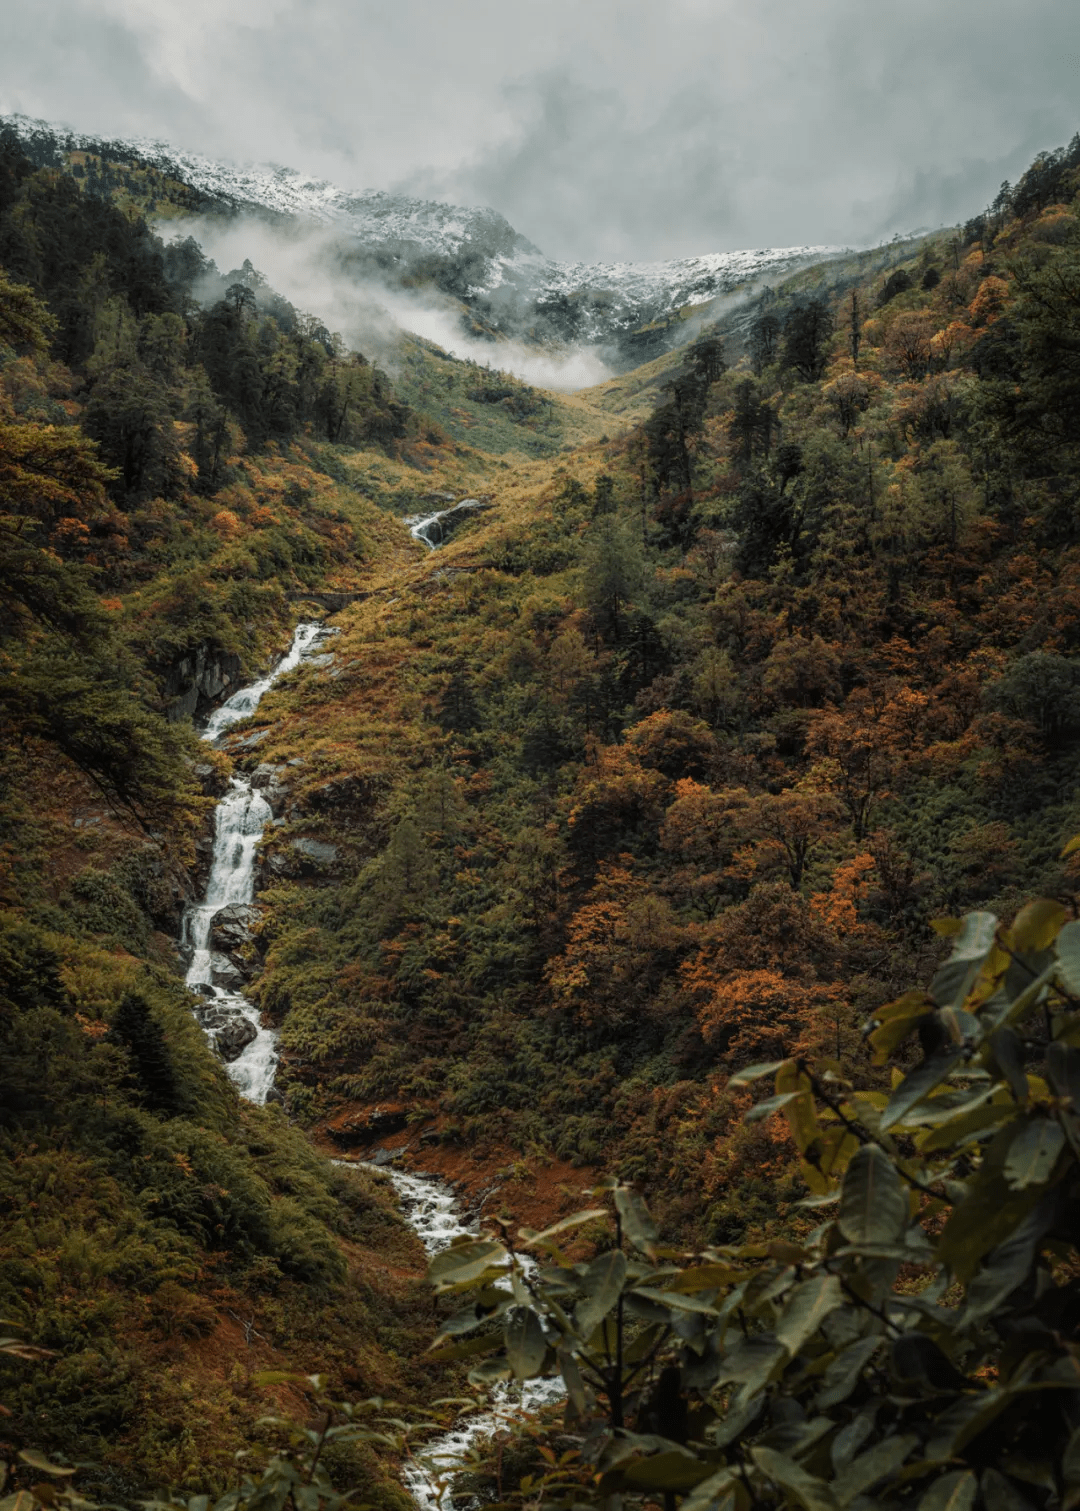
pixel 683 755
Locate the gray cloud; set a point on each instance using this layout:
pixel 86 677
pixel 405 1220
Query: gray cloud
pixel 604 129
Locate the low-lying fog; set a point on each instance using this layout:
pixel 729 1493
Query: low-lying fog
pixel 305 267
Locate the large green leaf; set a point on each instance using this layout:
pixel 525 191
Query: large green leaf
pixel 843 1373
pixel 751 1362
pixel 1000 1494
pixel 807 1307
pixel 966 1125
pixel 637 1223
pixel 1009 1265
pixel 873 1199
pixel 1036 926
pixel 602 1284
pixel 1033 1153
pixel 1063 1064
pixel 918 1083
pixel 676 1300
pixel 1006 1058
pixel 1068 954
pixel 765 1109
pixel 711 1492
pixel 672 1471
pixel 525 1343
pixel 575 1220
pixel 487 1343
pixel 464 1262
pixel 955 978
pixel 575 1386
pixel 964 1420
pixel 951 1492
pixel 756 1072
pixel 810 1491
pixel 872 1466
pixel 43 1465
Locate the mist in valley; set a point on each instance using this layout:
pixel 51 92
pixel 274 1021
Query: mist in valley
pixel 315 270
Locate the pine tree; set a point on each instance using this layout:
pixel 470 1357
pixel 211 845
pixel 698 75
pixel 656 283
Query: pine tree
pixel 135 1028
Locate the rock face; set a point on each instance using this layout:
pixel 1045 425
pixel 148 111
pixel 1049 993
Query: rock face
pixel 365 1128
pixel 199 678
pixel 342 792
pixel 315 851
pixel 213 782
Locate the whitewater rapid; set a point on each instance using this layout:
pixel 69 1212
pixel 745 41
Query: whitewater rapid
pixel 239 821
pixel 434 1213
pixel 428 1205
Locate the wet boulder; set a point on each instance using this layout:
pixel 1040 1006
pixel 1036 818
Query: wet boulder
pixel 235 1037
pixel 224 973
pixel 266 779
pixel 213 1017
pixel 232 932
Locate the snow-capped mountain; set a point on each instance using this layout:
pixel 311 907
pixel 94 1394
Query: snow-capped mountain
pixel 471 253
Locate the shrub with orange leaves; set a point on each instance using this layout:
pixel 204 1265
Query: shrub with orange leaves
pixel 226 524
pixel 990 301
pixel 764 1015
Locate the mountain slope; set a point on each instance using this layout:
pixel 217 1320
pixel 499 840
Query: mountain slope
pixel 473 253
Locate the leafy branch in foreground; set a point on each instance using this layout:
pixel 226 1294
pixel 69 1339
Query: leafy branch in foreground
pixel 917 1348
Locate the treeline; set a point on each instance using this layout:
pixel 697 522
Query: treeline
pixel 163 374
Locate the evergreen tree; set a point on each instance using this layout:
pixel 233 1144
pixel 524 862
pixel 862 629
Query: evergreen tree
pixel 806 332
pixel 458 712
pixel 138 1031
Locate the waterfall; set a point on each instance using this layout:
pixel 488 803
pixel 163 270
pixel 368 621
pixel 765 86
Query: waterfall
pixel 239 821
pixel 433 1212
pixel 433 529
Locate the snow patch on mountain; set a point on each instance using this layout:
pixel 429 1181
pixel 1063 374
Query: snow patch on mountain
pixel 380 220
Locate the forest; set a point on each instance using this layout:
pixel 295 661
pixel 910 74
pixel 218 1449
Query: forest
pixel 680 860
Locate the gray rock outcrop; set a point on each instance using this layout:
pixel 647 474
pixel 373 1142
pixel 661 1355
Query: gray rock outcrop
pixel 199 678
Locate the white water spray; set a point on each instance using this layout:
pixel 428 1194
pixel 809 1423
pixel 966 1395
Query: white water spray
pixel 239 821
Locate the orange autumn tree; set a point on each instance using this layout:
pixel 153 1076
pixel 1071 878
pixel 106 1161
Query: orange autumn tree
pixel 762 975
pixel 618 945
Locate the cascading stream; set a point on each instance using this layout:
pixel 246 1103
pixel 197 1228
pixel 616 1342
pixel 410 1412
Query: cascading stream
pixel 433 1212
pixel 430 1207
pixel 433 529
pixel 239 821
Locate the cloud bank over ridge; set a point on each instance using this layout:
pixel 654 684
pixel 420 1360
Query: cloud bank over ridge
pixel 615 129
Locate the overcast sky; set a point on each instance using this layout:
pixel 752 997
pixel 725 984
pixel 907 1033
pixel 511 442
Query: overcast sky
pixel 601 128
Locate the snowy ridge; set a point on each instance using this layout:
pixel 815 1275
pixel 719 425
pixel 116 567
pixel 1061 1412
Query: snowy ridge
pixel 686 280
pixel 472 253
pixel 373 217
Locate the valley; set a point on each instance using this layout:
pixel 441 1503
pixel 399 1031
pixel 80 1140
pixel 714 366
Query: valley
pixel 607 851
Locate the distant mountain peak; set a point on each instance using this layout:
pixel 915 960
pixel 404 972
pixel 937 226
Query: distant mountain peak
pixel 472 253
